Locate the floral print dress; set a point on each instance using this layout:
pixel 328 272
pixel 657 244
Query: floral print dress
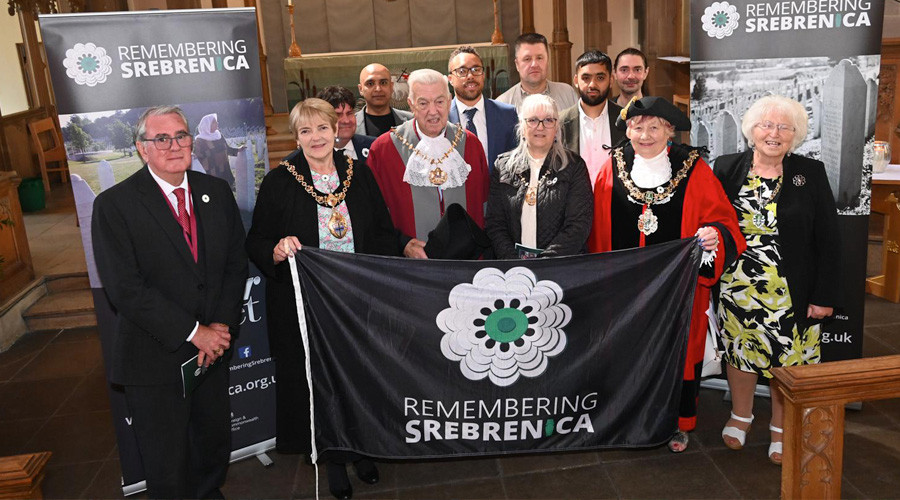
pixel 759 331
pixel 329 184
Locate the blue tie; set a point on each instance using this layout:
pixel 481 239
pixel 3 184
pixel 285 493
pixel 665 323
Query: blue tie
pixel 470 122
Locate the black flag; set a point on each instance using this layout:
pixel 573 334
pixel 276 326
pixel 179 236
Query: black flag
pixel 419 358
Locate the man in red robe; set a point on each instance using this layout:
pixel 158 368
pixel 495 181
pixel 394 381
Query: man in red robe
pixel 649 192
pixel 427 164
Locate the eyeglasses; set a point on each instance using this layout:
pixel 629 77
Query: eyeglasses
pixel 424 104
pixel 547 122
pixel 770 126
pixel 462 71
pixel 164 142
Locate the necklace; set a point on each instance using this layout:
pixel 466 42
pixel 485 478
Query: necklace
pixel 647 221
pixel 436 176
pixel 531 192
pixel 337 223
pixel 759 220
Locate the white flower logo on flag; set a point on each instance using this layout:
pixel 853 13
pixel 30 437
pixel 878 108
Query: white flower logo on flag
pixel 503 325
pixel 87 64
pixel 720 20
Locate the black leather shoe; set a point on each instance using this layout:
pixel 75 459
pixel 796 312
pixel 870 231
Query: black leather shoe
pixel 338 482
pixel 366 471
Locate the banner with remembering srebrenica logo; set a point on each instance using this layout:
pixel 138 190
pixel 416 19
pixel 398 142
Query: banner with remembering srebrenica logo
pixel 826 55
pixel 418 358
pixel 106 70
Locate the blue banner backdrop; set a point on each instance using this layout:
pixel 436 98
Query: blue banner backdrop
pixel 105 73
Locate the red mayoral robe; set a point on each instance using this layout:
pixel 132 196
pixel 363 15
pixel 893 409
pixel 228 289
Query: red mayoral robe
pixel 703 203
pixel 387 160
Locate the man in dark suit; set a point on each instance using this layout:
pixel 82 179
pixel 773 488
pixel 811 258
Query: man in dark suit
pixel 354 145
pixel 377 116
pixel 493 122
pixel 589 127
pixel 169 246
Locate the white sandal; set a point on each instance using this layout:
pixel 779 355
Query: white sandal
pixel 776 446
pixel 734 432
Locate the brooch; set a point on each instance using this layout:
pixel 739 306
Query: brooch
pixel 205 198
pixel 799 180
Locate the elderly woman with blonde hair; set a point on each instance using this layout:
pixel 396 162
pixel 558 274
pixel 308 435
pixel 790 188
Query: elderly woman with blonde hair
pixel 540 197
pixel 773 298
pixel 319 198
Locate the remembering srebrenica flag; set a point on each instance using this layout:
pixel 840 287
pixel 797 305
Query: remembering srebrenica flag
pixel 418 358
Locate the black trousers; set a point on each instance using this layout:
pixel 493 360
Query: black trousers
pixel 185 443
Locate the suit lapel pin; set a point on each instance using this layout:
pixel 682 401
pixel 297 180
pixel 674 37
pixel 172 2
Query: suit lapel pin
pixel 365 152
pixel 205 198
pixel 799 180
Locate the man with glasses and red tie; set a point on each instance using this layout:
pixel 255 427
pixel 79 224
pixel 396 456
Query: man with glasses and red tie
pixel 493 122
pixel 428 164
pixel 169 246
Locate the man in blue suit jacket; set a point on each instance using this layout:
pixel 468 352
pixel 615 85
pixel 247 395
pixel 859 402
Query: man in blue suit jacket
pixel 354 145
pixel 486 118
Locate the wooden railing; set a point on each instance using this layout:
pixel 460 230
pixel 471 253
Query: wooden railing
pixel 814 399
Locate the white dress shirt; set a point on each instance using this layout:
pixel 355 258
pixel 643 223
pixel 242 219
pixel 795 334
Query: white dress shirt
pixel 594 135
pixel 348 150
pixel 480 121
pixel 169 191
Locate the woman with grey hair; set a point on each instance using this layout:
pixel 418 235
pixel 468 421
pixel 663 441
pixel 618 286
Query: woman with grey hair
pixel 773 298
pixel 540 200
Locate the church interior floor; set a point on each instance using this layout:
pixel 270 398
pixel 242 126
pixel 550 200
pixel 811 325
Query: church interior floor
pixel 53 397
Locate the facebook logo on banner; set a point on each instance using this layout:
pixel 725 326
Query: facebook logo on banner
pixel 244 352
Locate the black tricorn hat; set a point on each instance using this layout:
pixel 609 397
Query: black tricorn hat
pixel 456 236
pixel 653 106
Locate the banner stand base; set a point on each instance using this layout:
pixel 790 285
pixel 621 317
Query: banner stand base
pixel 264 459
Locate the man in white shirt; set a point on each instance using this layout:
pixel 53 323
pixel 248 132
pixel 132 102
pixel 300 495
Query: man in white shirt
pixel 532 63
pixel 589 127
pixel 493 122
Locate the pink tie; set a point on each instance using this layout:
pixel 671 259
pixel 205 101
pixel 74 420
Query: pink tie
pixel 182 211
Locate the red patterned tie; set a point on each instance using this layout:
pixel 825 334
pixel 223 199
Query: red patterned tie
pixel 182 211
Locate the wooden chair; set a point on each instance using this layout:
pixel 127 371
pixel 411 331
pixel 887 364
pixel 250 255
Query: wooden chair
pixel 50 150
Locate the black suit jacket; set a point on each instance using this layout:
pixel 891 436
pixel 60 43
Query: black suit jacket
pixel 807 227
pixel 362 144
pixel 570 120
pixel 150 276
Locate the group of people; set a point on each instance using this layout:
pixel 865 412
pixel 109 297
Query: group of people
pixel 547 169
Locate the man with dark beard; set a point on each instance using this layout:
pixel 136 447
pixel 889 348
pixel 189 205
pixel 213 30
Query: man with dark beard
pixel 589 127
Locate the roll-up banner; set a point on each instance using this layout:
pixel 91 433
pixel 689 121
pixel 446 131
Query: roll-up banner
pixel 106 70
pixel 826 55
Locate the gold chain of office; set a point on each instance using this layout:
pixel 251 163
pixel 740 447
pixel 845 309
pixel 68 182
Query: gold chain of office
pixel 436 176
pixel 337 223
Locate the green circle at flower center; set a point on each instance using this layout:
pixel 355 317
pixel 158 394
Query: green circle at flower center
pixel 506 325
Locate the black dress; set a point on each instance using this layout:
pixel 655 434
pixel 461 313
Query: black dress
pixel 284 208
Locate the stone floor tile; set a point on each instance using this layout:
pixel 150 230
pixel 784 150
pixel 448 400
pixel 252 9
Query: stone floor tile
pixel 749 470
pixel 34 398
pixel 63 359
pixel 107 483
pixel 889 335
pixel 688 475
pixel 423 473
pixel 590 481
pixel 248 478
pixel 879 311
pixel 713 414
pixel 304 482
pixel 873 466
pixel 69 481
pixel 537 462
pixel 872 347
pixel 81 437
pixel 849 491
pixel 14 435
pixel 480 488
pixel 92 394
pixel 79 334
